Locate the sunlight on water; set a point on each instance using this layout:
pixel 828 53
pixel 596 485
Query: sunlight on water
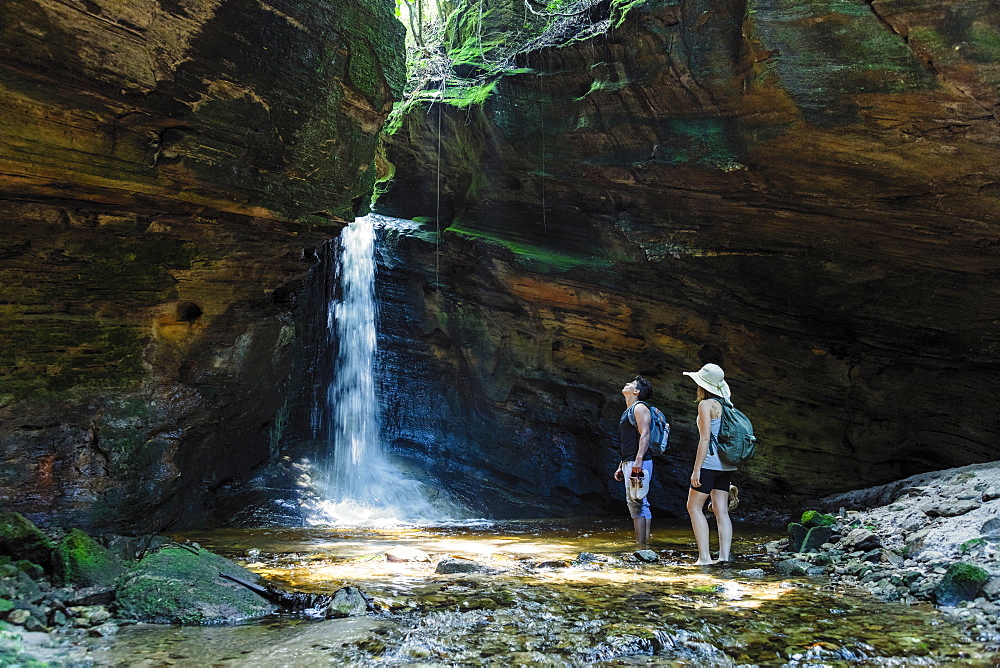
pixel 540 604
pixel 358 483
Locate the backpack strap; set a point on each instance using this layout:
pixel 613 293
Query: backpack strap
pixel 630 411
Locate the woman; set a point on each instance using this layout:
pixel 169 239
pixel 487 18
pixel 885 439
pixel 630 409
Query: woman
pixel 710 478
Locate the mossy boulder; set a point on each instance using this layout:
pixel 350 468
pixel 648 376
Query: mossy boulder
pixel 962 582
pixel 180 585
pixel 80 560
pixel 20 539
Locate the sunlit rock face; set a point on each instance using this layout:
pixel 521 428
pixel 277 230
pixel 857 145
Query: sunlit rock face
pixel 166 169
pixel 804 193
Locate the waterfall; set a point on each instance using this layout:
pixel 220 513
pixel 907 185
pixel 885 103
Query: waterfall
pixel 358 481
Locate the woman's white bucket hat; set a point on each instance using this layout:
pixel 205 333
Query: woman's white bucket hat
pixel 713 379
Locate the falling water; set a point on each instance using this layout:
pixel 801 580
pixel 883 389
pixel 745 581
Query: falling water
pixel 358 481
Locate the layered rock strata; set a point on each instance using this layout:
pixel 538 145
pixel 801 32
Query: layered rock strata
pixel 166 170
pixel 805 194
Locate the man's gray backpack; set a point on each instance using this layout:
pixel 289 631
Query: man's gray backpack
pixel 736 443
pixel 659 428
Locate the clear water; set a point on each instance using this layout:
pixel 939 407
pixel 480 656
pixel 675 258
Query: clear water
pixel 539 611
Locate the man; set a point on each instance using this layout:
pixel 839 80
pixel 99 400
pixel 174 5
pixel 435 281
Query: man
pixel 636 462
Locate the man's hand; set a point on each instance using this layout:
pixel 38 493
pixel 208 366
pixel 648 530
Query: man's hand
pixel 637 468
pixel 618 474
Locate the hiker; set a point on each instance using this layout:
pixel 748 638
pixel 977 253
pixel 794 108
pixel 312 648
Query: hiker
pixel 636 466
pixel 710 478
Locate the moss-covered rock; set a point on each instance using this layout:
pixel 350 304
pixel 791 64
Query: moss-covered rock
pixel 80 560
pixel 20 539
pixel 962 582
pixel 177 585
pixel 814 518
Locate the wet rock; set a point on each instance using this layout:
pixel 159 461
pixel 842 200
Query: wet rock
pixel 793 567
pixel 951 509
pixel 20 539
pixel 991 493
pixel 105 630
pixel 647 556
pixel 347 602
pixel 78 559
pixel 177 585
pixel 404 553
pixel 962 582
pixel 752 573
pixel 95 595
pixel 552 563
pixel 456 565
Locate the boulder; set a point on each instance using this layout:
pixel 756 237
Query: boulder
pixel 79 560
pixel 177 585
pixel 793 567
pixel 860 539
pixel 951 508
pixel 962 582
pixel 456 565
pixel 347 602
pixel 647 556
pixel 796 535
pixel 20 539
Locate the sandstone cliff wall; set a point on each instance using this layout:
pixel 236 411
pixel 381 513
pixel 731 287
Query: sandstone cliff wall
pixel 805 193
pixel 166 168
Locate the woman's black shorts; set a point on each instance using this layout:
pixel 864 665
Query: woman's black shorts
pixel 712 479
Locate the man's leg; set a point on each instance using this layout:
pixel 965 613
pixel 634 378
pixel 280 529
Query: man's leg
pixel 720 506
pixel 695 507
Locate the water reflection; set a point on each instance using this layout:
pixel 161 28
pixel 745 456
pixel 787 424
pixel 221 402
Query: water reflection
pixel 542 608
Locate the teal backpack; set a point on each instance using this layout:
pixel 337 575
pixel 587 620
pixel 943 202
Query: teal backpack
pixel 736 443
pixel 659 428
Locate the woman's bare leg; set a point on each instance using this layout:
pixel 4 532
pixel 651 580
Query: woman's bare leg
pixel 695 507
pixel 720 506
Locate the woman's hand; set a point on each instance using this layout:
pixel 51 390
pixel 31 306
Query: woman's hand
pixel 696 478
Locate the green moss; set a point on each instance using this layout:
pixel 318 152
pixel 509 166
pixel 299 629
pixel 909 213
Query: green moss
pixel 5 605
pixel 179 586
pixel 20 539
pixel 971 544
pixel 985 41
pixel 80 560
pixel 532 255
pixel 814 518
pixel 963 572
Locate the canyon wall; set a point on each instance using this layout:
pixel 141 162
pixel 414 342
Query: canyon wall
pixel 804 193
pixel 167 168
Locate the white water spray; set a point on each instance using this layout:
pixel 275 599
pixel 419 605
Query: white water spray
pixel 358 481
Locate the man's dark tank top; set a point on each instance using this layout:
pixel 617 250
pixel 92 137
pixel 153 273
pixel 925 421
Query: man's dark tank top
pixel 629 437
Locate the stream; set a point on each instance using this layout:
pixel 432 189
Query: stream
pixel 541 607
